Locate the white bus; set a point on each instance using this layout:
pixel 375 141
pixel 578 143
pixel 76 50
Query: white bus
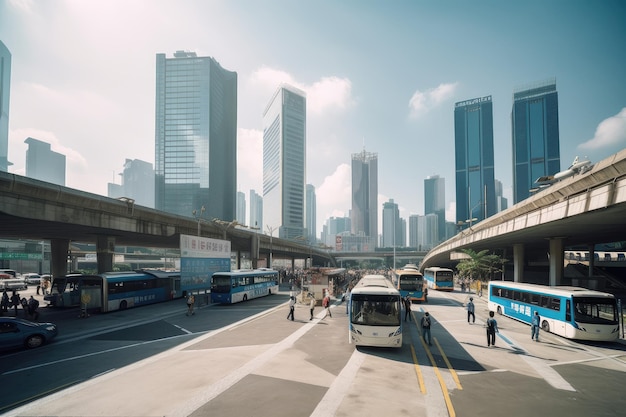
pixel 375 313
pixel 441 279
pixel 571 312
pixel 243 285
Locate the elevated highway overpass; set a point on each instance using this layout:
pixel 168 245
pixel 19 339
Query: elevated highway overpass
pixel 585 210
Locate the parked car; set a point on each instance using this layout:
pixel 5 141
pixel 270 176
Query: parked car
pixel 16 332
pixel 9 282
pixel 31 278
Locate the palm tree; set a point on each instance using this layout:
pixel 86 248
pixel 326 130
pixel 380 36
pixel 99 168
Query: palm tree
pixel 480 265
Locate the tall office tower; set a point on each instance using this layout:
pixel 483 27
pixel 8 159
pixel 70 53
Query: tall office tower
pixel 334 226
pixel 284 162
pixel 501 202
pixel 364 213
pixel 435 202
pixel 413 229
pixel 402 242
pixel 44 164
pixel 535 126
pixel 423 233
pixel 196 136
pixel 392 226
pixel 241 208
pixel 256 212
pixel 311 213
pixel 474 160
pixel 137 183
pixel 5 90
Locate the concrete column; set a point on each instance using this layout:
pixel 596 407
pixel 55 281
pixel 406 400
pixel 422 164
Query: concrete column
pixel 254 250
pixel 105 250
pixel 556 261
pixel 592 259
pixel 518 262
pixel 59 249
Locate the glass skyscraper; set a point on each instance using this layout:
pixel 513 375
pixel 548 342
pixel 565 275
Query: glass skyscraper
pixel 474 160
pixel 311 213
pixel 196 136
pixel 42 163
pixel 392 226
pixel 5 90
pixel 284 162
pixel 435 202
pixel 535 131
pixel 364 214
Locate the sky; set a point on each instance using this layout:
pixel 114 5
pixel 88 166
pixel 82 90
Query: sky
pixel 379 75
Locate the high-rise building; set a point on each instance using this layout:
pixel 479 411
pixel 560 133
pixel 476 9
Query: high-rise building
pixel 44 164
pixel 311 213
pixel 435 202
pixel 474 160
pixel 5 93
pixel 423 233
pixel 335 226
pixel 284 162
pixel 256 211
pixel 196 136
pixel 241 208
pixel 364 213
pixel 535 129
pixel 501 201
pixel 137 183
pixel 392 226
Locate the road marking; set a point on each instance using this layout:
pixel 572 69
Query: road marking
pixel 450 368
pixel 418 371
pixel 442 384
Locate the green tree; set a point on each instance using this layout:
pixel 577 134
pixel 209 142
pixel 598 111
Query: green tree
pixel 480 265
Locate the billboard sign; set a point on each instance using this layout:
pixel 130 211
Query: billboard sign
pixel 200 257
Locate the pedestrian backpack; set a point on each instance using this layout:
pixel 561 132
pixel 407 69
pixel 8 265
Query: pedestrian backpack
pixel 490 324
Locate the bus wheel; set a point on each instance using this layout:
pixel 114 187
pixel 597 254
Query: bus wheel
pixel 245 297
pixel 499 310
pixel 545 326
pixel 123 305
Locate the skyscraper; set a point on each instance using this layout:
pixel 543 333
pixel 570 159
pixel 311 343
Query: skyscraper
pixel 256 211
pixel 241 208
pixel 392 225
pixel 474 160
pixel 311 213
pixel 364 212
pixel 435 202
pixel 284 162
pixel 137 183
pixel 196 136
pixel 535 129
pixel 44 164
pixel 5 93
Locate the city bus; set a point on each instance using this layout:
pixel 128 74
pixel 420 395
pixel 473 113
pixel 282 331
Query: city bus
pixel 409 281
pixel 375 313
pixel 441 279
pixel 570 312
pixel 112 291
pixel 242 285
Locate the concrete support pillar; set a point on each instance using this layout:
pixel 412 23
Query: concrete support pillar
pixel 59 249
pixel 556 261
pixel 254 250
pixel 592 259
pixel 105 250
pixel 518 262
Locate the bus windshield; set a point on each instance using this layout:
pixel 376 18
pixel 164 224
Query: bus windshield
pixel 411 282
pixel 221 284
pixel 375 310
pixel 595 311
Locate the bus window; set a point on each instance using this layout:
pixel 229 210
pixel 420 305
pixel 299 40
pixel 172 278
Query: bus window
pixel 534 299
pixel 555 304
pixel 568 310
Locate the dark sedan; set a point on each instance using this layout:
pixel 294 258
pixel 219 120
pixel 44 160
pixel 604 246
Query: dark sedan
pixel 16 332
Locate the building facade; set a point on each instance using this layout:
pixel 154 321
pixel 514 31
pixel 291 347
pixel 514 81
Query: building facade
pixel 435 202
pixel 241 208
pixel 196 136
pixel 5 94
pixel 364 213
pixel 392 226
pixel 535 132
pixel 311 213
pixel 256 211
pixel 44 164
pixel 137 183
pixel 474 160
pixel 333 227
pixel 284 163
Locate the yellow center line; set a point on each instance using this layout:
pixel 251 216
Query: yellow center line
pixel 418 371
pixel 450 368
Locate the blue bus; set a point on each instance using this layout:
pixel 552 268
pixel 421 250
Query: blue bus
pixel 112 291
pixel 375 313
pixel 410 281
pixel 242 285
pixel 441 279
pixel 570 312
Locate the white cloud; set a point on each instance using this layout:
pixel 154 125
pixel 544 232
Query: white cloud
pixel 611 131
pixel 334 194
pixel 422 102
pixel 22 5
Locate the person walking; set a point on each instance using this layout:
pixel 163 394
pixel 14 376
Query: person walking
pixel 534 327
pixel 326 305
pixel 425 323
pixel 470 310
pixel 4 305
pixel 292 307
pixel 407 307
pixel 312 303
pixel 15 301
pixel 191 300
pixel 33 304
pixel 492 329
pixel 346 296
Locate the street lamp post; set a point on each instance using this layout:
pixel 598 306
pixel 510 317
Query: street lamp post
pixel 198 217
pixel 271 230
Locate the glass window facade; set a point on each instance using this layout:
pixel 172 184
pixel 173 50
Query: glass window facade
pixel 364 214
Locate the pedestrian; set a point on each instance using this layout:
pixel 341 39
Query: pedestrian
pixel 312 305
pixel 15 301
pixel 425 323
pixel 191 300
pixel 4 304
pixel 470 310
pixel 347 297
pixel 407 307
pixel 44 286
pixel 292 307
pixel 24 303
pixel 326 305
pixel 534 327
pixel 33 304
pixel 492 329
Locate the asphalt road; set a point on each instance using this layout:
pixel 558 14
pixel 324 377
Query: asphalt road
pixel 249 360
